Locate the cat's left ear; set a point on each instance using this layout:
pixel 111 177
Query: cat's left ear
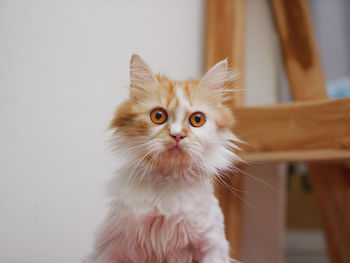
pixel 215 77
pixel 141 76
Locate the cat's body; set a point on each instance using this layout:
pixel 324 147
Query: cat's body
pixel 173 136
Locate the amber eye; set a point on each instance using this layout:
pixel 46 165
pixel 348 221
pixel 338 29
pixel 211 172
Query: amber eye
pixel 197 119
pixel 159 116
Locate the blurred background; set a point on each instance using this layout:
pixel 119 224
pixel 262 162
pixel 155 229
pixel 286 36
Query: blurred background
pixel 64 69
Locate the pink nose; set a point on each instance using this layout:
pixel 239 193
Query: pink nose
pixel 177 137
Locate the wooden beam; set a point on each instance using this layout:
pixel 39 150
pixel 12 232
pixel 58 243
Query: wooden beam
pixel 333 196
pixel 299 48
pixel 231 206
pixel 296 156
pixel 307 82
pixel 224 38
pixel 314 125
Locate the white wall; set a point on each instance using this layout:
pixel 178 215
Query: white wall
pixel 261 54
pixel 63 66
pixel 331 22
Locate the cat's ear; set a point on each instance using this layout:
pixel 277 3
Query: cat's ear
pixel 215 77
pixel 141 76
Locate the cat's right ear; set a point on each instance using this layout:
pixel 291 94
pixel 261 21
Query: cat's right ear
pixel 215 77
pixel 141 76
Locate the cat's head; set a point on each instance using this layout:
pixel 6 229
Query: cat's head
pixel 175 126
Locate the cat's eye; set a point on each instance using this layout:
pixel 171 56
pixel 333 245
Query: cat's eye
pixel 159 115
pixel 197 119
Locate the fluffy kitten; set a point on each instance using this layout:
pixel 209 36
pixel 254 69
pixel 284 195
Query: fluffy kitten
pixel 173 136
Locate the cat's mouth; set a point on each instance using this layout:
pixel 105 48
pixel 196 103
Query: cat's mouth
pixel 176 147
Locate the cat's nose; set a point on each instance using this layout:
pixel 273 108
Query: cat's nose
pixel 177 137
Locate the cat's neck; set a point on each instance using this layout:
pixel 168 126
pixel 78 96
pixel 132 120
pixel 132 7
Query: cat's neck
pixel 166 193
pixel 129 180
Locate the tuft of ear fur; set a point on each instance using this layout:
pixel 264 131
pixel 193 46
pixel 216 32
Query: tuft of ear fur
pixel 215 77
pixel 141 76
pixel 215 83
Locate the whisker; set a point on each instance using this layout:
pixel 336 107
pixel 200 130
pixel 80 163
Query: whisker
pixel 258 180
pixel 131 178
pixel 225 185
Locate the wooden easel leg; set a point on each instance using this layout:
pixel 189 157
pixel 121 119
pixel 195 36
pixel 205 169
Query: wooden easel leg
pixel 231 206
pixel 331 183
pixel 225 38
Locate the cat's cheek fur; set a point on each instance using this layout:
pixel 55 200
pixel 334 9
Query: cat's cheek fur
pixel 206 132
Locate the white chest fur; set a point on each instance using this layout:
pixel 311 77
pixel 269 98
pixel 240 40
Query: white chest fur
pixel 168 196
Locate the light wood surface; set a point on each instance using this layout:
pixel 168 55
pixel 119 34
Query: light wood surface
pixel 281 132
pixel 295 156
pixel 224 38
pixel 231 205
pixel 332 188
pixel 306 80
pixel 299 48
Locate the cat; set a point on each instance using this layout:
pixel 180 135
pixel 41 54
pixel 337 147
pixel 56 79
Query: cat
pixel 173 137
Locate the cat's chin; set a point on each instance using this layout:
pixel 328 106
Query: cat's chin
pixel 176 148
pixel 175 153
pixel 173 159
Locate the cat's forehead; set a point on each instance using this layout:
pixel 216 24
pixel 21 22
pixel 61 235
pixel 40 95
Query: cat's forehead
pixel 176 94
pixel 179 99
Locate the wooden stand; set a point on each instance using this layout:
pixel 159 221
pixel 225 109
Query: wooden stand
pixel 315 129
pixel 225 36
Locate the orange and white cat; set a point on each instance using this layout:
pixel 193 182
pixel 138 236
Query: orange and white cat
pixel 173 137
